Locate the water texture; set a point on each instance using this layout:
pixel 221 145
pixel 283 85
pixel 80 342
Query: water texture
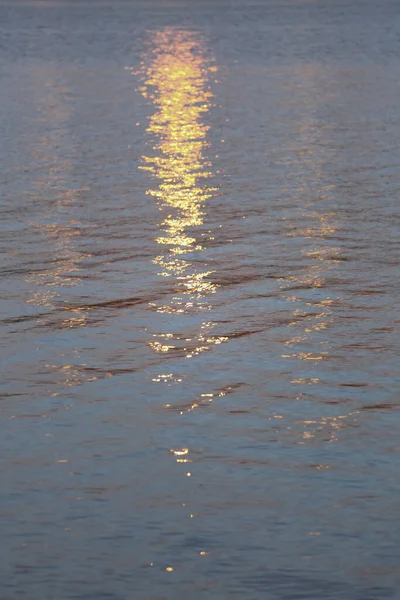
pixel 200 300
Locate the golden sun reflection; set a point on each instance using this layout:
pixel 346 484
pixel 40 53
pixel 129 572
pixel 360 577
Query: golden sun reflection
pixel 326 429
pixel 177 75
pixel 176 79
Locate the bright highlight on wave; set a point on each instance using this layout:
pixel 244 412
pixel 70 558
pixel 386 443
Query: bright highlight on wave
pixel 177 81
pixel 177 76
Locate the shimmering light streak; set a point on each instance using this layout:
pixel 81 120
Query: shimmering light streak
pixel 176 79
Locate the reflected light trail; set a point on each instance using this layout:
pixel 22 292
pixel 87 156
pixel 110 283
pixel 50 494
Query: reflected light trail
pixel 58 228
pixel 306 286
pixel 176 79
pixel 177 74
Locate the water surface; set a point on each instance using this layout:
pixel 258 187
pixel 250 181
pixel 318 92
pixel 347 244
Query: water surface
pixel 199 308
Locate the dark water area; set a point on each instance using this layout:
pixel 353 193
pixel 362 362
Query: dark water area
pixel 200 300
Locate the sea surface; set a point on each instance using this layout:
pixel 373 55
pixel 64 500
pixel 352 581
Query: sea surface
pixel 200 324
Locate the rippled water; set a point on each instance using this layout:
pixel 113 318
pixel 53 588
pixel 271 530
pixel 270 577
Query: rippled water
pixel 200 300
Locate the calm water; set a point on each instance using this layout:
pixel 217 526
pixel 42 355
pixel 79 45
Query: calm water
pixel 200 300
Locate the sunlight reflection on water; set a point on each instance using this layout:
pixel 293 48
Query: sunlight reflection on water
pixel 177 79
pixel 200 302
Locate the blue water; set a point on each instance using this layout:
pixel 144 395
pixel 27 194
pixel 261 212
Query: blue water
pixel 199 300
